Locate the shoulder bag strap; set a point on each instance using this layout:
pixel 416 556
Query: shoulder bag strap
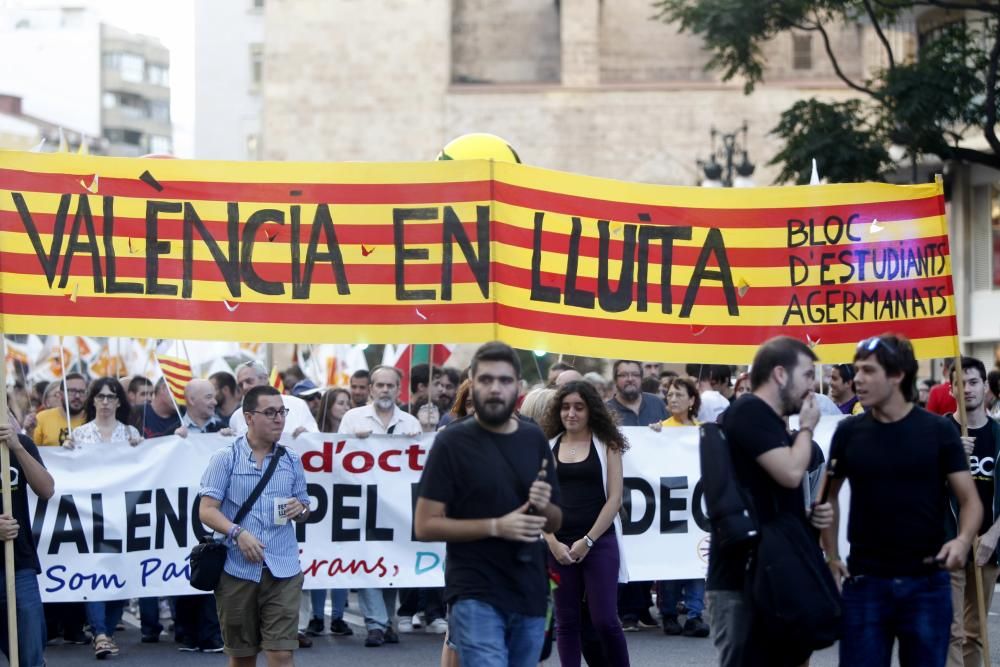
pixel 257 490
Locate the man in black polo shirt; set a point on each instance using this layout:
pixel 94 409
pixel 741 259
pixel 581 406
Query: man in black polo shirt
pixel 770 464
pixel 982 443
pixel 481 492
pixel 26 470
pixel 634 407
pixel 901 461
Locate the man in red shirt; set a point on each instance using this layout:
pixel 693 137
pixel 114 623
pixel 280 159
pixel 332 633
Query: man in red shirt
pixel 940 400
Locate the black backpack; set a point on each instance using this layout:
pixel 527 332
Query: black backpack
pixel 730 509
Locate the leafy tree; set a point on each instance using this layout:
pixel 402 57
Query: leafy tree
pixel 927 106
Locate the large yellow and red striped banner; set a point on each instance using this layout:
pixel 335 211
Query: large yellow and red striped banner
pixel 463 252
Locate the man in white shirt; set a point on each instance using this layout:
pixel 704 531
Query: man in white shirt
pixel 381 417
pixel 299 420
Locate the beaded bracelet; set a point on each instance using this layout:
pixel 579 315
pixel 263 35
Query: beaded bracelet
pixel 235 531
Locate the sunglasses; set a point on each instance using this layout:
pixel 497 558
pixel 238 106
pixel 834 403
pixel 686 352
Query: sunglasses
pixel 873 343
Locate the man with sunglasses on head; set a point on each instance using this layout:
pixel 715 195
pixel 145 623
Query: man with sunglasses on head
pixel 258 595
pixel 901 462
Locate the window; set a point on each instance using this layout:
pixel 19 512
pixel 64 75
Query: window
pixel 158 75
pixel 159 110
pixel 802 52
pixel 130 66
pixel 109 100
pixel 256 65
pixel 158 144
pixel 120 136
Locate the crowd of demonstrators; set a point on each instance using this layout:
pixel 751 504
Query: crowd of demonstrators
pixel 586 552
pixel 299 419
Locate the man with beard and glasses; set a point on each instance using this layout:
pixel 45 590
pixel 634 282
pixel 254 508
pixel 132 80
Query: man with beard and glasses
pixel 770 464
pixel 488 490
pixel 635 408
pixel 382 417
pixel 51 429
pixel 903 463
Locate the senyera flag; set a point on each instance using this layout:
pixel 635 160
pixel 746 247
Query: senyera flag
pixel 177 373
pixel 466 251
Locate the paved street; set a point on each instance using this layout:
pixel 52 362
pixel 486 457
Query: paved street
pixel 648 647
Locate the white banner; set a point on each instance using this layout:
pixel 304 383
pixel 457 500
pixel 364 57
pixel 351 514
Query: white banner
pixel 123 520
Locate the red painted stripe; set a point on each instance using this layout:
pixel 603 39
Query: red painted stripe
pixel 310 193
pixel 246 312
pixel 592 327
pixel 587 207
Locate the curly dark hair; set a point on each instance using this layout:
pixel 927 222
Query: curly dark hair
pixel 600 421
pixel 121 412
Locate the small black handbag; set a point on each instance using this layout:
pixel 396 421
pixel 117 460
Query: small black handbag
pixel 209 556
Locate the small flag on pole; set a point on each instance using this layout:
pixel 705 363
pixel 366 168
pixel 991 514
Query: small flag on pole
pixel 177 373
pixel 276 381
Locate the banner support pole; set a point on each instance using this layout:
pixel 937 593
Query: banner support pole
pixel 8 546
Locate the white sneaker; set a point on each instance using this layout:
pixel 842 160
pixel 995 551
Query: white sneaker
pixel 417 621
pixel 438 626
pixel 405 626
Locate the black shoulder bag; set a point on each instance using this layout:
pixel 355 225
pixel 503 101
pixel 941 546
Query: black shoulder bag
pixel 209 556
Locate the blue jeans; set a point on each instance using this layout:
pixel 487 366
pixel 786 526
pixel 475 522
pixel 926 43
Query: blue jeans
pixel 104 617
pixel 31 632
pixel 914 610
pixel 318 598
pixel 378 606
pixel 485 636
pixel 149 617
pixel 668 592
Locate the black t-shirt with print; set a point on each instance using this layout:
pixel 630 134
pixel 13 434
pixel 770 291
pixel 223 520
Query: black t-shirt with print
pixel 752 428
pixel 982 466
pixel 898 474
pixel 472 471
pixel 25 554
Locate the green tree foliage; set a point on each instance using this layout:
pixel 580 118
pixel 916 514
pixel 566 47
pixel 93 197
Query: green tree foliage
pixel 927 105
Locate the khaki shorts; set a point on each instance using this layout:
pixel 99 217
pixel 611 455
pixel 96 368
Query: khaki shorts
pixel 258 616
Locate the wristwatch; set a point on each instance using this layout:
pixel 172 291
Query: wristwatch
pixel 590 542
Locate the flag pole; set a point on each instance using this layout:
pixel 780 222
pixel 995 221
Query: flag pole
pixel 62 365
pixel 8 545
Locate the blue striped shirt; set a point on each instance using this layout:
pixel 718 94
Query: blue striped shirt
pixel 230 477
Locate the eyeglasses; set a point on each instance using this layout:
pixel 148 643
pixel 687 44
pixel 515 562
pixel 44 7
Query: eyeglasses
pixel 272 413
pixel 872 344
pixel 105 398
pixel 76 392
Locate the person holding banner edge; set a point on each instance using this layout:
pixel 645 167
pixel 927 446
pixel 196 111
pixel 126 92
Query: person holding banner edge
pixel 258 595
pixel 15 525
pixel 897 458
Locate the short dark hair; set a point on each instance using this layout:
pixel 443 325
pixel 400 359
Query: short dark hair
pixel 121 412
pixel 650 385
pixel 692 391
pixel 419 374
pixel 224 380
pixel 698 371
pixel 252 397
pixel 721 373
pixel 360 374
pixel 76 376
pixel 497 351
pixel 846 372
pixel 993 382
pixel 894 353
pixel 137 382
pixel 561 366
pixel 780 351
pixel 385 367
pixel 667 373
pixel 614 367
pixel 968 363
pixel 600 420
pixel 452 373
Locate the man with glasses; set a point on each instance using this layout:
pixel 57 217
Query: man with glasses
pixel 382 417
pixel 52 428
pixel 258 595
pixel 635 408
pixel 300 419
pixel 901 462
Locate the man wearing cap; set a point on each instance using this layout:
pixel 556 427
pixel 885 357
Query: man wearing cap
pixel 842 389
pixel 311 394
pixel 299 420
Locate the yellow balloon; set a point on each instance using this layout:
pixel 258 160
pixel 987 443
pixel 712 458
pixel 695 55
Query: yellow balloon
pixel 479 146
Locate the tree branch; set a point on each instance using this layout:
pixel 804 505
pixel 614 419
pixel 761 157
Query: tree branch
pixel 973 157
pixel 881 35
pixel 836 66
pixel 990 129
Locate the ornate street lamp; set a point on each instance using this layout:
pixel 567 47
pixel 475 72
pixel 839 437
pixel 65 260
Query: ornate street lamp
pixel 728 174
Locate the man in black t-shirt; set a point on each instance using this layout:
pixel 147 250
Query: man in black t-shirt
pixel 485 492
pixel 981 445
pixel 770 465
pixel 900 460
pixel 26 469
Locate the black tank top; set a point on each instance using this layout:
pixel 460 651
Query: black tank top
pixel 582 495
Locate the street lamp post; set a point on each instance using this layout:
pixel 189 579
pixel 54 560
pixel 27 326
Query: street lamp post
pixel 722 175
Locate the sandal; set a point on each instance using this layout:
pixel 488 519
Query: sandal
pixel 103 647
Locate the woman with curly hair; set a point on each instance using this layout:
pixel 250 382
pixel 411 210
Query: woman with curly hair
pixel 586 551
